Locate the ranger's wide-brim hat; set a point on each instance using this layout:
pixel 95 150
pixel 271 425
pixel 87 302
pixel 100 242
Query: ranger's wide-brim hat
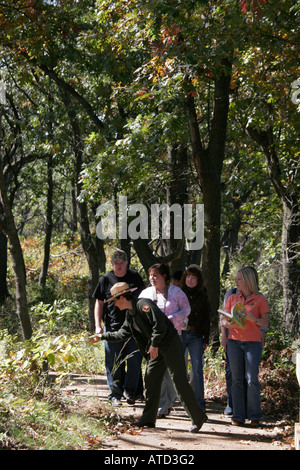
pixel 118 289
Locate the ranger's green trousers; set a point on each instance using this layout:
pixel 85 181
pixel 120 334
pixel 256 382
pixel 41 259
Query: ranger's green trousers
pixel 173 359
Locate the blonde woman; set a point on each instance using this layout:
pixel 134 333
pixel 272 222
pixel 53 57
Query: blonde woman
pixel 244 347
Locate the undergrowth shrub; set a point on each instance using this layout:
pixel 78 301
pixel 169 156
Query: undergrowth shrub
pixel 57 345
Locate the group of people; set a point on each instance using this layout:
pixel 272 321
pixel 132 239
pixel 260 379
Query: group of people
pixel 164 323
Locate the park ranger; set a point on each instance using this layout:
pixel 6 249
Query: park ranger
pixel 159 342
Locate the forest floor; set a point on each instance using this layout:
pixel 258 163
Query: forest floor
pixel 171 433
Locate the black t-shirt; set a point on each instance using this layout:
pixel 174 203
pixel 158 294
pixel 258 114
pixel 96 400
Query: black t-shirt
pixel 113 317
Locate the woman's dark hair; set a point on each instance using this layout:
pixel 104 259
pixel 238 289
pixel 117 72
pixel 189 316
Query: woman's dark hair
pixel 163 269
pixel 196 272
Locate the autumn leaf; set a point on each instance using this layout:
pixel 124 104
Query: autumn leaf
pixel 243 6
pixel 255 5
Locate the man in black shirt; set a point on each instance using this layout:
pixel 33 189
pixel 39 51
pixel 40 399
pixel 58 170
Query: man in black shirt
pixel 121 380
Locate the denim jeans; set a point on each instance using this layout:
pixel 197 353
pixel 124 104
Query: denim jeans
pixel 228 382
pixel 244 359
pixel 194 344
pixel 122 379
pixel 168 395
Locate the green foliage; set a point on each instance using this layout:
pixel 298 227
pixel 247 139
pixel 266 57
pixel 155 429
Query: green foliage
pixel 59 318
pixel 51 422
pixel 26 363
pixel 62 316
pixel 124 70
pixel 35 414
pixel 213 367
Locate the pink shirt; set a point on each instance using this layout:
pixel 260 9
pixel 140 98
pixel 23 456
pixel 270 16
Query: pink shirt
pixel 257 305
pixel 176 305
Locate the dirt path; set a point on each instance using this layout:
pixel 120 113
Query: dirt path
pixel 171 433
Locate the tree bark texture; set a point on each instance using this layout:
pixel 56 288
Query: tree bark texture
pixel 10 231
pixel 290 234
pixel 209 163
pixel 49 223
pixel 3 268
pixel 88 244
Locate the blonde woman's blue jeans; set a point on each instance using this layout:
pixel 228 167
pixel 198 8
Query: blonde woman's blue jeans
pixel 244 359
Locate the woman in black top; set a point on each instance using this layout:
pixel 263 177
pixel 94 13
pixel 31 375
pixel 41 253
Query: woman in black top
pixel 196 336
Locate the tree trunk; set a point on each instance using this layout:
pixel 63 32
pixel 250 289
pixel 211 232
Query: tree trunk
pixel 178 194
pixel 212 247
pixel 148 258
pixel 91 256
pixel 209 163
pixel 3 268
pixel 9 228
pixel 74 208
pixel 88 244
pixel 230 242
pixel 49 224
pixel 290 266
pixel 231 233
pixel 7 225
pixel 290 235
